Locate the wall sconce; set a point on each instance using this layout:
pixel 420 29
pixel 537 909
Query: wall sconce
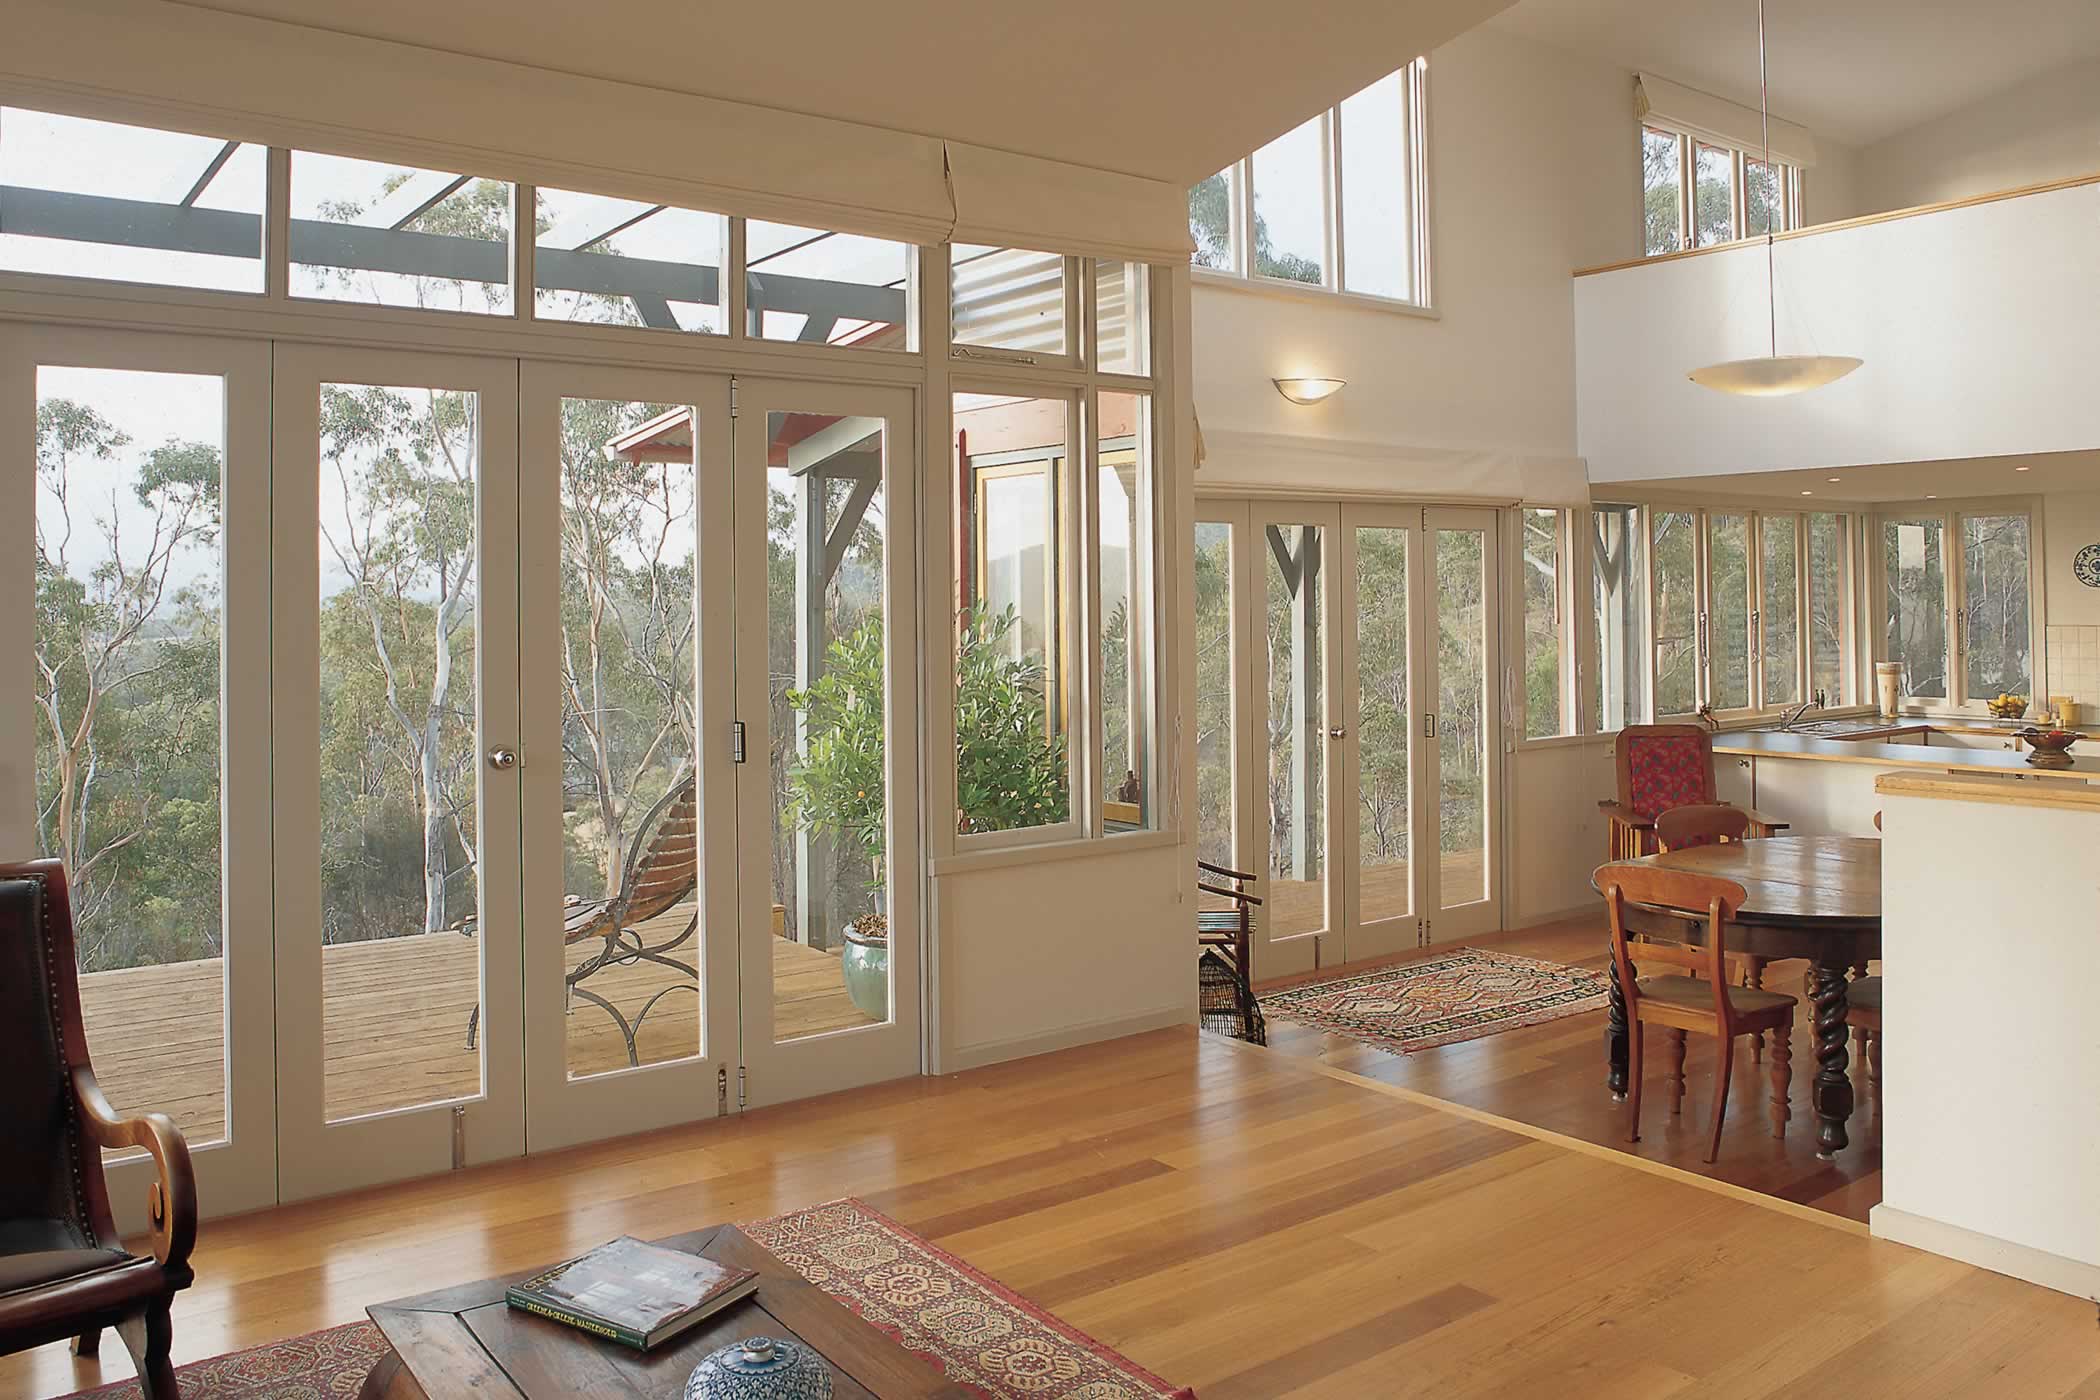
pixel 1308 390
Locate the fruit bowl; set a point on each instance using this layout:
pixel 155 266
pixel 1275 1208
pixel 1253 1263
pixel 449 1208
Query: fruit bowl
pixel 2051 748
pixel 2008 706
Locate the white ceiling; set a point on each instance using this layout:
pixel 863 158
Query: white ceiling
pixel 1171 91
pixel 1853 70
pixel 1890 481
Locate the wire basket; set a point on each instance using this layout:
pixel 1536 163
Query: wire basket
pixel 1225 1005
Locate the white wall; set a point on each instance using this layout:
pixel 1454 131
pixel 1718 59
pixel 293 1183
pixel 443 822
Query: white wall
pixel 2070 521
pixel 2047 128
pixel 1976 324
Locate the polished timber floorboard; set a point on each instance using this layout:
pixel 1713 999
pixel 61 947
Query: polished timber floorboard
pixel 1552 1076
pixel 1251 1224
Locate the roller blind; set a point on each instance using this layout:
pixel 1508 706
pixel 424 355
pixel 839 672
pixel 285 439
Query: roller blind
pixel 1010 200
pixel 1718 120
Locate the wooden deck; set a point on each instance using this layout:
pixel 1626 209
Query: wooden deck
pixel 395 1023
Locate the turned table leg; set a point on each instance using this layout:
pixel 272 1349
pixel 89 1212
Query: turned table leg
pixel 1831 1092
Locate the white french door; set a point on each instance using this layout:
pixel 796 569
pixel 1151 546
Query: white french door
pixel 394 586
pixel 1349 743
pixel 826 655
pixel 134 739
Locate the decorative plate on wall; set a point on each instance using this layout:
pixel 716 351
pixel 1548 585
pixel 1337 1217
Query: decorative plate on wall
pixel 2087 566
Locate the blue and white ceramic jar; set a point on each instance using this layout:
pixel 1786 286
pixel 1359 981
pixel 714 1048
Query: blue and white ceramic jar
pixel 761 1368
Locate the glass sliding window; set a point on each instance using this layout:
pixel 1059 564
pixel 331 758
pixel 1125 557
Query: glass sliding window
pixel 1829 603
pixel 1778 610
pixel 819 288
pixel 1013 625
pixel 1377 190
pixel 1009 298
pixel 125 686
pixel 1764 197
pixel 84 198
pixel 1294 569
pixel 1383 724
pixel 399 589
pixel 827 526
pixel 1676 556
pixel 1728 626
pixel 1290 205
pixel 395 235
pixel 1543 691
pixel 1713 194
pixel 1914 603
pixel 1465 709
pixel 1122 317
pixel 629 746
pixel 1123 555
pixel 1662 190
pixel 1214 700
pixel 1997 635
pixel 1618 597
pixel 1211 203
pixel 620 262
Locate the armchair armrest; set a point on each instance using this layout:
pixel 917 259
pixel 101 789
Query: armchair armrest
pixel 172 1202
pixel 1616 810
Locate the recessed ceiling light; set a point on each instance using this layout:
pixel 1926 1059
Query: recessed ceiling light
pixel 1932 498
pixel 1833 478
pixel 1808 493
pixel 2023 469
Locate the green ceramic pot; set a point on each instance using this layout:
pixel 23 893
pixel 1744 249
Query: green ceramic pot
pixel 865 964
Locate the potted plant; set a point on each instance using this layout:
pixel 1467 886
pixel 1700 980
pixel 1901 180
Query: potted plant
pixel 1009 772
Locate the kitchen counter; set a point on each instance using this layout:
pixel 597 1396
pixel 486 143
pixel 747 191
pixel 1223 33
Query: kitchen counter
pixel 1881 753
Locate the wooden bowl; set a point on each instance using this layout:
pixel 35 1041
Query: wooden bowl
pixel 2051 748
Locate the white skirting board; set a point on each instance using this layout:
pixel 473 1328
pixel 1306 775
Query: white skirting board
pixel 2072 1276
pixel 999 1051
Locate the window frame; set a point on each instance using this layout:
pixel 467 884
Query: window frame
pixel 1414 144
pixel 1688 144
pixel 1954 562
pixel 1568 628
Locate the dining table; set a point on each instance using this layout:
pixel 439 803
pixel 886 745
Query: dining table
pixel 1811 897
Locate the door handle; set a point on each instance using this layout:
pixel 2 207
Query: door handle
pixel 1429 724
pixel 1335 733
pixel 503 760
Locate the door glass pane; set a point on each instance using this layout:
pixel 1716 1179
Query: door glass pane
pixel 1377 195
pixel 1383 724
pixel 369 231
pixel 401 945
pixel 1210 219
pixel 1828 604
pixel 1293 561
pixel 1676 613
pixel 1619 659
pixel 620 262
pixel 823 288
pixel 1713 195
pixel 1996 635
pixel 1728 627
pixel 85 198
pixel 1125 457
pixel 1463 714
pixel 1122 316
pixel 1009 298
pixel 1214 701
pixel 126 690
pixel 1778 610
pixel 1914 618
pixel 1290 205
pixel 1542 688
pixel 630 830
pixel 827 527
pixel 1012 679
pixel 1662 194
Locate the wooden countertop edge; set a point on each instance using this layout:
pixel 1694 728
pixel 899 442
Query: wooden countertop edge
pixel 1982 787
pixel 1892 756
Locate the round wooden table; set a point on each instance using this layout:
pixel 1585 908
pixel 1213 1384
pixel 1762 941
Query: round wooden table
pixel 1813 897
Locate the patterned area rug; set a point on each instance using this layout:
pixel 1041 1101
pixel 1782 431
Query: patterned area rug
pixel 1463 995
pixel 990 1339
pixel 976 1332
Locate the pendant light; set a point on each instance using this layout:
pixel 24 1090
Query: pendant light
pixel 1772 375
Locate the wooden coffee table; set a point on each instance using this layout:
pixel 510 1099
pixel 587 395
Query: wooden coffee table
pixel 467 1341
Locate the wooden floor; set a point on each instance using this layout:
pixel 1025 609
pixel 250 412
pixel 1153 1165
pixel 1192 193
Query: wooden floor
pixel 1552 1076
pixel 1300 906
pixel 395 1022
pixel 1246 1223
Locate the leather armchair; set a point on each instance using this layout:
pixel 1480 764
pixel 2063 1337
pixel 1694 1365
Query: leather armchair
pixel 64 1272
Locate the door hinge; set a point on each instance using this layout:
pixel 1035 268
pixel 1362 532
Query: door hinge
pixel 1429 724
pixel 736 742
pixel 732 397
pixel 742 1086
pixel 722 1091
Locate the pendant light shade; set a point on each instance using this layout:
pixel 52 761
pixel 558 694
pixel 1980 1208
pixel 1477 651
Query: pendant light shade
pixel 1773 376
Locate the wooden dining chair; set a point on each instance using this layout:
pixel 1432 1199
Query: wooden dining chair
pixel 1863 1015
pixel 1714 824
pixel 1681 1004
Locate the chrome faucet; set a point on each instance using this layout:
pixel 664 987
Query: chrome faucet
pixel 1789 718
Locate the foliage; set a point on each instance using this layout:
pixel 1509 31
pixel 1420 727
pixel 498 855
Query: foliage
pixel 1210 224
pixel 1009 770
pixel 836 785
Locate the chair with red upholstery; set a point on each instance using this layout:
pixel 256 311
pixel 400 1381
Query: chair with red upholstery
pixel 1663 766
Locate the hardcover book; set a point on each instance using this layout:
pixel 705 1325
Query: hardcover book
pixel 632 1292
